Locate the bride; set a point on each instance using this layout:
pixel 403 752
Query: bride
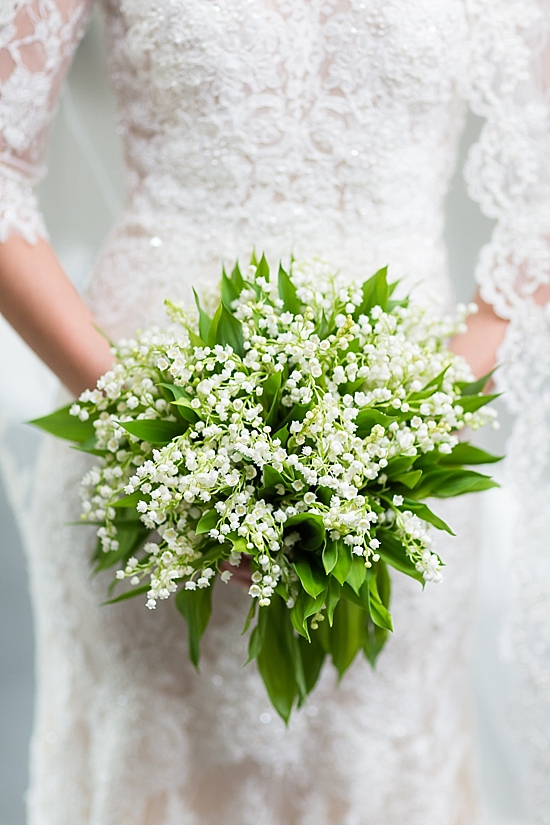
pixel 322 127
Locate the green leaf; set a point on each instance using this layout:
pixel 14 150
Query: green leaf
pixel 130 594
pixel 215 552
pixel 375 639
pixel 154 431
pixel 271 477
pixel 367 418
pixel 250 616
pixel 398 465
pixel 343 565
pixel 360 599
pixel 330 555
pixel 237 278
pixel 475 387
pixel 471 403
pixel 276 661
pixel 314 580
pixel 334 595
pixel 423 511
pixel 375 292
pixel 347 634
pixel 297 413
pixel 394 554
pixel 324 328
pixel 383 582
pixel 226 329
pixel 207 522
pixel 257 636
pixel 446 483
pixel 270 397
pixel 357 573
pixel 195 606
pixel 129 541
pixel 465 453
pixel 175 392
pixel 282 435
pixel 64 425
pixel 287 293
pixel 205 321
pixel 88 446
pixel 195 340
pixel 262 270
pixel 379 613
pixel 312 655
pixel 229 290
pixel 409 479
pixel 131 500
pixel 187 412
pixel 305 607
pixel 311 530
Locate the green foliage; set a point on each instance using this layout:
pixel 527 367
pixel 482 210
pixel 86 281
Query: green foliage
pixel 64 425
pixel 195 606
pixel 207 522
pixel 326 601
pixel 375 292
pixel 129 594
pixel 287 293
pixel 279 659
pixel 205 322
pixel 311 528
pixel 313 579
pixel 154 431
pixel 346 635
pixel 226 329
pixel 330 555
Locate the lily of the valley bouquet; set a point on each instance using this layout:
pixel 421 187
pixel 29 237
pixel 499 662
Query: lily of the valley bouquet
pixel 299 428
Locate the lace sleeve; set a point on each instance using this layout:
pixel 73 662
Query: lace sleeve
pixel 508 83
pixel 508 171
pixel 37 40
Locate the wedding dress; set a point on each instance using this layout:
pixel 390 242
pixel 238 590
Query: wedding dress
pixel 321 127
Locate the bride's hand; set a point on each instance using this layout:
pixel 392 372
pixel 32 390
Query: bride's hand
pixel 480 344
pixel 241 574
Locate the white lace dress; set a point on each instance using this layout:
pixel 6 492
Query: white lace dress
pixel 324 127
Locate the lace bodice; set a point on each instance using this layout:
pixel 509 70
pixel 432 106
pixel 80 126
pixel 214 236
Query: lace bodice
pixel 283 120
pixel 319 126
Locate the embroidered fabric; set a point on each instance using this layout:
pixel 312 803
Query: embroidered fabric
pixel 326 127
pixel 508 173
pixel 37 40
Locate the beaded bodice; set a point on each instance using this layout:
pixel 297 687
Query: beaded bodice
pixel 319 119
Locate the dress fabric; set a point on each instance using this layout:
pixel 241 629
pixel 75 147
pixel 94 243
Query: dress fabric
pixel 318 127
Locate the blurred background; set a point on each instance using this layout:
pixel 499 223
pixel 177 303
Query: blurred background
pixel 80 198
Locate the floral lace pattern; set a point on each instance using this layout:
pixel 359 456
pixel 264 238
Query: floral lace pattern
pixel 37 40
pixel 328 127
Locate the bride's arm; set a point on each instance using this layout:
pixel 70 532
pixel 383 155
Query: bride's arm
pixel 479 345
pixel 40 302
pixel 37 41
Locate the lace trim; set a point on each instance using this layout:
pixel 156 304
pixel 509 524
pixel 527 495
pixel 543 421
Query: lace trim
pixel 37 40
pixel 19 213
pixel 507 170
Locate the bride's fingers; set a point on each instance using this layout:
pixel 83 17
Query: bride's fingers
pixel 241 574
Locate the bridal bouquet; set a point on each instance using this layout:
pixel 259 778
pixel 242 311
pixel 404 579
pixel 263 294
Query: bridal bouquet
pixel 299 426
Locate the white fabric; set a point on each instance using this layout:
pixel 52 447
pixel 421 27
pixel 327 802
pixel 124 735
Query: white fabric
pixel 329 127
